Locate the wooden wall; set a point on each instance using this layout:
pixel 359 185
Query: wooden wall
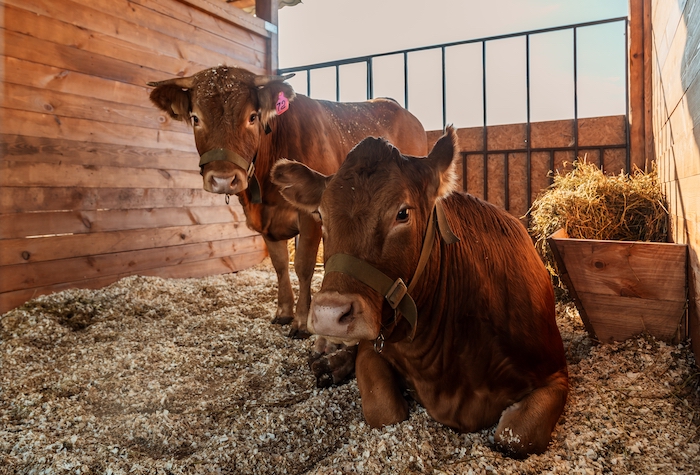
pixel 502 176
pixel 95 182
pixel 674 72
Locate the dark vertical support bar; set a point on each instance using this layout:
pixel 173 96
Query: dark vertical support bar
pixel 308 82
pixel 485 130
pixel 575 95
pixel 528 158
pixel 337 83
pixel 405 80
pixel 370 85
pixel 444 91
pixel 628 164
pixel 551 166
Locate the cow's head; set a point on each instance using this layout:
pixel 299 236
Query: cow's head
pixel 229 109
pixel 375 208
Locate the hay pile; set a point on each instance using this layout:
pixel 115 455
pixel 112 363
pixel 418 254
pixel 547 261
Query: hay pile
pixel 591 205
pixel 187 376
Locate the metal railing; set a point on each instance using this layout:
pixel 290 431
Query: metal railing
pixel 528 150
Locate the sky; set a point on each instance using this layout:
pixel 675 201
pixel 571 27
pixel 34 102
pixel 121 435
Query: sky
pixel 323 30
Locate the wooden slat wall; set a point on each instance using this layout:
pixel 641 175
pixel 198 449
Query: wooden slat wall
pixel 675 81
pixel 505 156
pixel 95 182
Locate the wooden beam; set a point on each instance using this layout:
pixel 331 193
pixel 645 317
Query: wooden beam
pixel 637 87
pixel 267 10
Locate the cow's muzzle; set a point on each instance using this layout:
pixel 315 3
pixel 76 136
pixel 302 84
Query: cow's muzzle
pixel 225 155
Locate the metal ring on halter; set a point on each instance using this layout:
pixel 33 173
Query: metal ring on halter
pixel 379 343
pixel 227 197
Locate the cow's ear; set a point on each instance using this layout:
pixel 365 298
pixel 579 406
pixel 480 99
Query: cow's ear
pixel 274 96
pixel 442 158
pixel 299 184
pixel 173 97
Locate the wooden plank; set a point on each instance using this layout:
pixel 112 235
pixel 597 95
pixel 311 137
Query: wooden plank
pixel 496 179
pixel 25 199
pixel 618 318
pixel 636 84
pixel 646 271
pixel 23 174
pixel 22 251
pixel 59 104
pixel 21 148
pixel 32 124
pixel 597 131
pixel 187 25
pixel 19 71
pixel 268 10
pixel 46 27
pixel 14 226
pixel 223 265
pixel 41 51
pixel 552 133
pixel 507 137
pixel 517 184
pixel 140 40
pixel 45 273
pixel 232 15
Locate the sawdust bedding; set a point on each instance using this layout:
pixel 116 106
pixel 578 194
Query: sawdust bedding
pixel 188 376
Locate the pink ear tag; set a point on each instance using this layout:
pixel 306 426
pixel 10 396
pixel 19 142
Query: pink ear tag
pixel 282 103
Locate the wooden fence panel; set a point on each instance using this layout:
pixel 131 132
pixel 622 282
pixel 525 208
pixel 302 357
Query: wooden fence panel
pixel 95 182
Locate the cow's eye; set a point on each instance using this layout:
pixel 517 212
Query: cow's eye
pixel 317 215
pixel 252 117
pixel 195 120
pixel 402 215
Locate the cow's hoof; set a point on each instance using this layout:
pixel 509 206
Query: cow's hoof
pixel 334 368
pixel 278 320
pixel 298 334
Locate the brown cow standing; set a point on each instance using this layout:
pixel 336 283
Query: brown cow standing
pixel 485 348
pixel 240 118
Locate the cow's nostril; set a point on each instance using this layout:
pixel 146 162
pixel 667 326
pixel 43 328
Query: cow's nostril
pixel 347 317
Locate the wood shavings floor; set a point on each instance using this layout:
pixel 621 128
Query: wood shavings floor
pixel 188 376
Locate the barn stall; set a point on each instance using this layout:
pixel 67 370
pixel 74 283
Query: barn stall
pixel 154 374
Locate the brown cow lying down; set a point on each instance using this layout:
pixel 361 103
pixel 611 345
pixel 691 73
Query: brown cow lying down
pixel 485 348
pixel 244 122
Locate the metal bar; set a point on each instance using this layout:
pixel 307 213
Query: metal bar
pixel 444 92
pixel 575 96
pixel 308 82
pixel 370 85
pixel 528 158
pixel 551 166
pixel 405 80
pixel 546 149
pixel 360 59
pixel 485 130
pixel 628 164
pixel 337 83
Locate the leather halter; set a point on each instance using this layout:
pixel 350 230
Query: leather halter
pixel 225 155
pixel 396 293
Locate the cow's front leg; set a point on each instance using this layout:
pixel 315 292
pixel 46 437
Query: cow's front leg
pixel 383 403
pixel 526 426
pixel 279 255
pixel 304 265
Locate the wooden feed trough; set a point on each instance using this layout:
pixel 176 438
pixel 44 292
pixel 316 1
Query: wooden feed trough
pixel 624 288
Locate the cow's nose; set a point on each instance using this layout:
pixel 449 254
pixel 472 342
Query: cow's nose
pixel 331 314
pixel 222 184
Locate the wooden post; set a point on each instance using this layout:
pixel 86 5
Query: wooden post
pixel 639 84
pixel 267 10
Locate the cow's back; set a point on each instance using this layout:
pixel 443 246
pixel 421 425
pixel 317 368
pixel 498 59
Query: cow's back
pixel 486 320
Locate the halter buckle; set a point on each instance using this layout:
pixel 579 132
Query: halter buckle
pixel 396 293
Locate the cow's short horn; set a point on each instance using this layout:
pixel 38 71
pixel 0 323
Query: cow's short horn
pixel 185 83
pixel 261 81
